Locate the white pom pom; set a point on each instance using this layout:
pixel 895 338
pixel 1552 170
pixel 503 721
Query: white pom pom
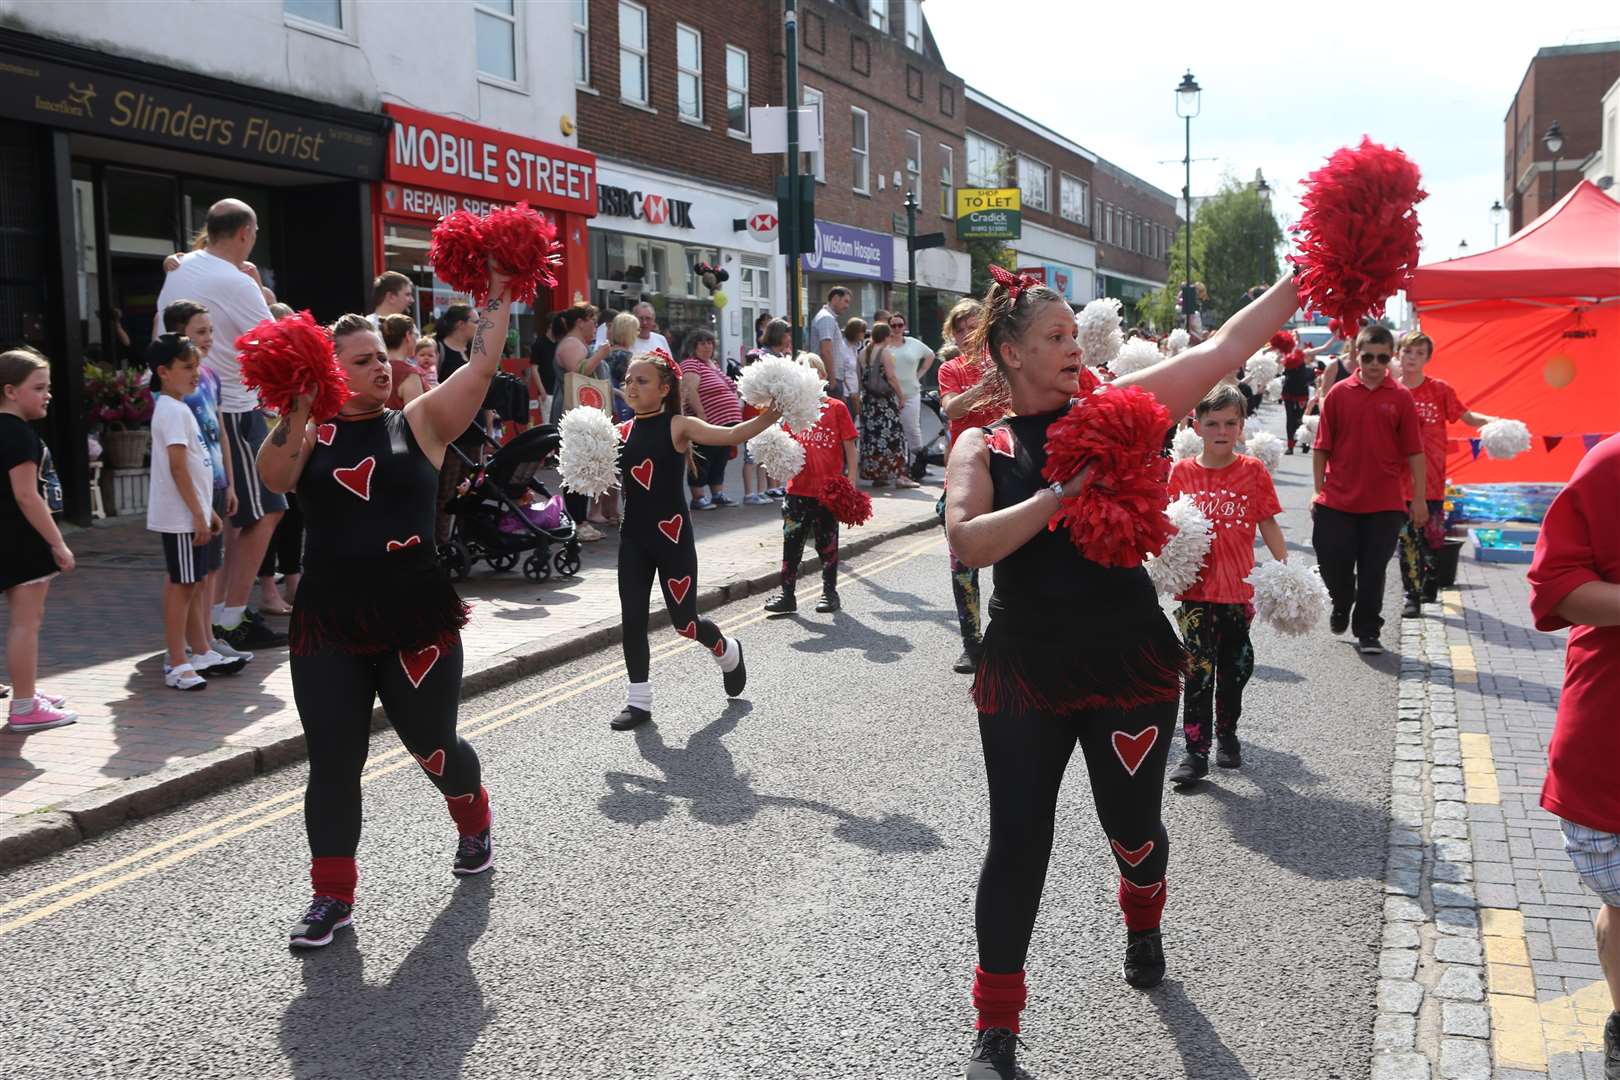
pixel 1290 598
pixel 1274 389
pixel 1176 569
pixel 1134 355
pixel 1179 340
pixel 1099 334
pixel 792 387
pixel 588 459
pixel 777 452
pixel 1187 443
pixel 1267 448
pixel 1504 439
pixel 1260 369
pixel 1306 433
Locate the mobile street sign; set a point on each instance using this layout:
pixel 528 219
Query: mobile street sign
pixel 989 214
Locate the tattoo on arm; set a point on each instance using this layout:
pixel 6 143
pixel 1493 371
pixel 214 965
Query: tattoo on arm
pixel 478 340
pixel 279 436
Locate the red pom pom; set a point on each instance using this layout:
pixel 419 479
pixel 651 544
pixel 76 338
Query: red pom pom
pixel 285 358
pixel 1358 233
pixel 1118 517
pixel 459 256
pixel 522 243
pixel 1294 359
pixel 848 504
pixel 1282 341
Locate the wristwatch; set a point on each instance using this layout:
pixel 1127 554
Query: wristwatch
pixel 1056 488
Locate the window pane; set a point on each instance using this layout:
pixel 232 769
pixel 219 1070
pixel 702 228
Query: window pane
pixel 495 40
pixel 632 26
pixel 581 54
pixel 736 68
pixel 686 49
pixel 581 12
pixel 736 111
pixel 687 94
pixel 502 6
pixel 632 79
pixel 325 12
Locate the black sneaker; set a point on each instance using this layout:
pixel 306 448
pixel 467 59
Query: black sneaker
pixel 967 663
pixel 1193 768
pixel 737 677
pixel 1228 752
pixel 249 635
pixel 1412 608
pixel 1611 1047
pixel 995 1056
pixel 629 718
pixel 828 602
pixel 1144 959
pixel 1431 594
pixel 783 603
pixel 474 855
pixel 1339 622
pixel 1370 646
pixel 325 916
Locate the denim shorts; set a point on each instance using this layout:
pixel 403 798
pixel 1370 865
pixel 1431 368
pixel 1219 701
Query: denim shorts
pixel 1596 856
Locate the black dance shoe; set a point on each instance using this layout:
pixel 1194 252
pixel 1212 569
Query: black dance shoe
pixel 995 1056
pixel 1228 752
pixel 474 855
pixel 1193 768
pixel 829 602
pixel 1144 959
pixel 629 718
pixel 737 677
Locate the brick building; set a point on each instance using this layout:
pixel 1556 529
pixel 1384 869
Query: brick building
pixel 1564 84
pixel 1134 224
pixel 1005 148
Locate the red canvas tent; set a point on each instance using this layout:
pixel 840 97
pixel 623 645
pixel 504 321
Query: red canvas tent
pixel 1531 330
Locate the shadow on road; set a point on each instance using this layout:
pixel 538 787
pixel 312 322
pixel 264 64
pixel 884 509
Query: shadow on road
pixel 1267 673
pixel 1203 1055
pixel 847 632
pixel 704 775
pixel 422 1023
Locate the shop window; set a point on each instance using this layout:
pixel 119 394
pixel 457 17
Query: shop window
pixel 985 158
pixel 1034 179
pixel 632 53
pixel 914 83
pixel 736 90
pixel 689 73
pixel 860 178
pixel 914 164
pixel 947 181
pixel 496 23
pixel 860 55
pixel 582 42
pixel 1075 197
pixel 816 164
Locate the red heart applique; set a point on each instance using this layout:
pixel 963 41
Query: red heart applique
pixel 396 545
pixel 417 663
pixel 1000 441
pixel 1131 749
pixel 642 474
pixel 690 631
pixel 1148 891
pixel 671 529
pixel 1132 856
pixel 433 763
pixel 357 478
pixel 679 587
pixel 624 430
pixel 325 434
pixel 719 647
pixel 468 798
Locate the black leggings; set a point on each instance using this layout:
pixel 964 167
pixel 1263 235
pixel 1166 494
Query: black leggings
pixel 803 516
pixel 1025 755
pixel 675 566
pixel 286 550
pixel 334 692
pixel 1293 413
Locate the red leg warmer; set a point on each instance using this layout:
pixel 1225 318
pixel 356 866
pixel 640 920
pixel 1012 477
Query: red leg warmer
pixel 1143 905
pixel 334 876
pixel 998 998
pixel 470 812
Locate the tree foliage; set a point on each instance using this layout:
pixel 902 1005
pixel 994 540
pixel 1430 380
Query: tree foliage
pixel 1234 247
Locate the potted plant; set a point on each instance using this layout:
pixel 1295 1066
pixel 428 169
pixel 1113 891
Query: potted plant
pixel 121 400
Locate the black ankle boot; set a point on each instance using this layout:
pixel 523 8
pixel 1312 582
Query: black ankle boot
pixel 829 601
pixel 995 1056
pixel 1144 959
pixel 783 603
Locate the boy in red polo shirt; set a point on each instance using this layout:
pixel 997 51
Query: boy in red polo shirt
pixel 1575 582
pixel 1367 442
pixel 1235 492
pixel 967 403
pixel 1437 405
pixel 830 450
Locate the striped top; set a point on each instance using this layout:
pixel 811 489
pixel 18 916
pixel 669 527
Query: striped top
pixel 717 393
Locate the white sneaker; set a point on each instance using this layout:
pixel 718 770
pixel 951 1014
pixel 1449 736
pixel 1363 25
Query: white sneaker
pixel 588 533
pixel 216 664
pixel 230 652
pixel 183 677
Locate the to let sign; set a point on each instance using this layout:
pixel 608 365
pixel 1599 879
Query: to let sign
pixel 989 214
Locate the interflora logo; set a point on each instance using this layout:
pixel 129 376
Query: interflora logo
pixel 77 102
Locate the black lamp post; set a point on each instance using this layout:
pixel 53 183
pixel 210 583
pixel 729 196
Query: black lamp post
pixel 1263 190
pixel 1498 211
pixel 1554 142
pixel 1187 107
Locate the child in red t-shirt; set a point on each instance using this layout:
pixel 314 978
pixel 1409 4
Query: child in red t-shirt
pixel 830 449
pixel 1235 492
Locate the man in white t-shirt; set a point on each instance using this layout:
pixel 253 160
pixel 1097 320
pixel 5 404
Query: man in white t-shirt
pixel 391 294
pixel 827 339
pixel 912 359
pixel 213 278
pixel 650 338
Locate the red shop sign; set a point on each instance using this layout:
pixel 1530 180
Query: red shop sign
pixel 436 152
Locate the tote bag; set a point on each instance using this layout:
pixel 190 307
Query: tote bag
pixel 583 390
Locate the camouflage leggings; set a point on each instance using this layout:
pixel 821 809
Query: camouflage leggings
pixel 1417 553
pixel 1217 636
pixel 965 588
pixel 802 517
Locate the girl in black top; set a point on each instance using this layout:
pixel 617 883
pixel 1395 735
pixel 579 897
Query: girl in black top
pixel 655 537
pixel 375 615
pixel 1075 654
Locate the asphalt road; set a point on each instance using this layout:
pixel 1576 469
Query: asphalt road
pixel 781 886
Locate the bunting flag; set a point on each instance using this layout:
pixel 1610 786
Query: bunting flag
pixel 1590 441
pixel 1552 442
pixel 1473 445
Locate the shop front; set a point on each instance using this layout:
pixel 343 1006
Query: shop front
pixel 437 165
pixel 651 233
pixel 873 266
pixel 111 165
pixel 1127 288
pixel 1066 263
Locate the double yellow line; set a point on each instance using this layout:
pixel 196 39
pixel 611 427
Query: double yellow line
pixel 85 886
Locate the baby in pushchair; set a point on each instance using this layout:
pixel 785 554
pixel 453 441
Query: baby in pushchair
pixel 505 514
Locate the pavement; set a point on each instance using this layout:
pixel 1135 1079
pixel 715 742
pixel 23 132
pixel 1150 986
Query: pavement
pixel 140 747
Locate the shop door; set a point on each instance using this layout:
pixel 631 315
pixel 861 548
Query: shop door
pixel 753 299
pixel 142 215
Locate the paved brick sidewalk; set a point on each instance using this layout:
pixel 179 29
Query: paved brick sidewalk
pixel 102 647
pixel 1489 967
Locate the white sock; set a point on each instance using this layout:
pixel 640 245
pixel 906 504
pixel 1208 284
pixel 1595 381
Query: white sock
pixel 729 659
pixel 231 617
pixel 219 614
pixel 641 696
pixel 22 708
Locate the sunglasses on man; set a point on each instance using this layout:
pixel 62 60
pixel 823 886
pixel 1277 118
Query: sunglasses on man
pixel 1377 357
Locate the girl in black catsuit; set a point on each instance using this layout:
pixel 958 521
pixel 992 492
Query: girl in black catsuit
pixel 375 616
pixel 655 537
pixel 1075 654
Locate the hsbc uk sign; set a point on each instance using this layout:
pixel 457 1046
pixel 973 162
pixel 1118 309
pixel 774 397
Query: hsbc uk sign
pixel 653 209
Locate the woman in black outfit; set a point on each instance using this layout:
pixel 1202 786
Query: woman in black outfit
pixel 1075 654
pixel 376 616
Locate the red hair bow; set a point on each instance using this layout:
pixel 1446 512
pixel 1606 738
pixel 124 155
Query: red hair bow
pixel 1013 283
pixel 669 362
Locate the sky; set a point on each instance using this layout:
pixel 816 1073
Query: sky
pixel 1284 85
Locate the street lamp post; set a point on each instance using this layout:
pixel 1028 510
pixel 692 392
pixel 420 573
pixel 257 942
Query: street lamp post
pixel 1554 142
pixel 1187 107
pixel 1263 190
pixel 1498 211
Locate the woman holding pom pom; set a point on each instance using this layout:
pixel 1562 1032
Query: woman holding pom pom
pixel 655 538
pixel 375 615
pixel 1076 653
pixel 830 450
